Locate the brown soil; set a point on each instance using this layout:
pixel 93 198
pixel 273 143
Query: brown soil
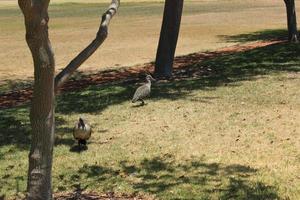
pixel 128 74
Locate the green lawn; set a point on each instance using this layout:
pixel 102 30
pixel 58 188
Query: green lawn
pixel 225 128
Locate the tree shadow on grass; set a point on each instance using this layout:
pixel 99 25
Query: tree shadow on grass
pixel 14 126
pixel 15 130
pixel 197 71
pixel 188 179
pixel 14 85
pixel 265 35
pixel 203 72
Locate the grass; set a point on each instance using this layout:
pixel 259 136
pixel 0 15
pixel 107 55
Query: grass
pixel 134 9
pixel 225 128
pixel 133 33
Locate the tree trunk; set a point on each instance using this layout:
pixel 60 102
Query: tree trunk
pixel 42 107
pixel 168 38
pixel 291 21
pixel 39 185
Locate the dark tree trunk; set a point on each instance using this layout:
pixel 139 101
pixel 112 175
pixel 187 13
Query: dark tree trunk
pixel 168 38
pixel 42 107
pixel 291 21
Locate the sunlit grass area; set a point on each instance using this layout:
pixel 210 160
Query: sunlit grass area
pixel 224 128
pixel 133 33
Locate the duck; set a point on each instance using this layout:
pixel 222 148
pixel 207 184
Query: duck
pixel 82 132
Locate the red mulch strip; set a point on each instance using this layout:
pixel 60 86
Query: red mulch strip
pixel 15 98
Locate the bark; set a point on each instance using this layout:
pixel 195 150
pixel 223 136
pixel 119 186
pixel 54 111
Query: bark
pixel 42 108
pixel 39 185
pixel 168 38
pixel 102 33
pixel 293 34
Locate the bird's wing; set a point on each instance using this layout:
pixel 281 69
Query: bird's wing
pixel 141 92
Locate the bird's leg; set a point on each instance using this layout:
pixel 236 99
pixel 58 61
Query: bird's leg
pixel 79 144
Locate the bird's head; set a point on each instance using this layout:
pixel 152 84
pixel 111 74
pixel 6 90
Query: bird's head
pixel 150 78
pixel 81 122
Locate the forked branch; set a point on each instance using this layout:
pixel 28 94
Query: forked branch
pixel 102 33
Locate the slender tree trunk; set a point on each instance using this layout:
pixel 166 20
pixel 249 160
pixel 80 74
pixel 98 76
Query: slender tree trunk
pixel 168 38
pixel 42 107
pixel 39 185
pixel 291 21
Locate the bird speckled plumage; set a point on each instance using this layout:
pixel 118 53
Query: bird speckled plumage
pixel 143 91
pixel 82 132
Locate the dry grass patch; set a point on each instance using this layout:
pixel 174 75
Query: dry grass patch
pixel 134 32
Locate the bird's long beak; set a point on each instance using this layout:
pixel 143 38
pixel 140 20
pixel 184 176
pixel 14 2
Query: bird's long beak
pixel 81 122
pixel 153 79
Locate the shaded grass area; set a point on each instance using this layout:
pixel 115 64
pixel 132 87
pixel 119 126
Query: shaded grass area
pixel 161 175
pixel 205 75
pixel 266 35
pixel 14 85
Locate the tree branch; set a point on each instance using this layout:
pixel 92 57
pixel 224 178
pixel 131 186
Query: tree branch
pixel 102 33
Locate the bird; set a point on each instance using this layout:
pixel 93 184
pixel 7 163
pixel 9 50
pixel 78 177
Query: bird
pixel 82 132
pixel 143 91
